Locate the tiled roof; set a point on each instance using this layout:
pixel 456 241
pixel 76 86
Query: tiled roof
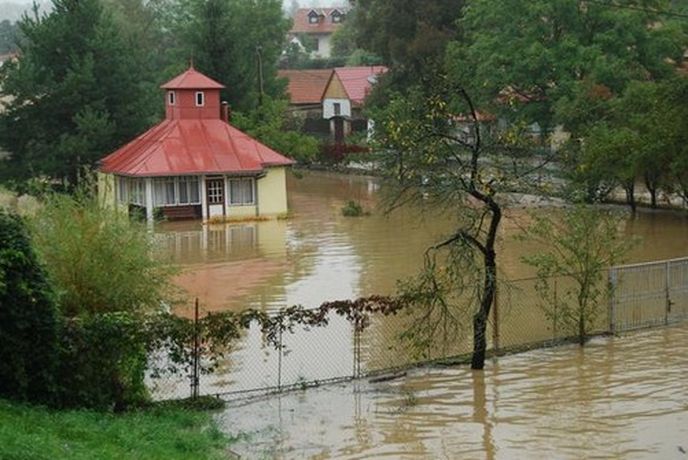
pixel 358 81
pixel 190 147
pixel 192 79
pixel 306 86
pixel 324 26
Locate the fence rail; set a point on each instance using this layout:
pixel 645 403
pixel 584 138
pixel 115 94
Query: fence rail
pixel 527 313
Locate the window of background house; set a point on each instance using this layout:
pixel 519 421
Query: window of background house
pixel 337 108
pixel 200 99
pixel 336 18
pixel 171 97
pixel 313 18
pixel 241 192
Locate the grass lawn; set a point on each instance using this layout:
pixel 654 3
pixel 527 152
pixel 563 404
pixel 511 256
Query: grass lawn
pixel 28 433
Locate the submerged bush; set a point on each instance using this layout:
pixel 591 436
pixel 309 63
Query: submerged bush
pixel 353 209
pixel 28 317
pixel 99 260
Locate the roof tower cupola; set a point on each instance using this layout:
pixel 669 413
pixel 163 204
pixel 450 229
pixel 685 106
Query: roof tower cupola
pixel 192 95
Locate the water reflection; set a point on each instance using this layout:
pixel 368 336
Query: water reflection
pixel 612 399
pixel 318 254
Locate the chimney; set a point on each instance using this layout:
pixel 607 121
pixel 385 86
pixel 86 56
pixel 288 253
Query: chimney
pixel 226 112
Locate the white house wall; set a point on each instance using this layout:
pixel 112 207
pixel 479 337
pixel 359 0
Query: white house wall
pixel 328 108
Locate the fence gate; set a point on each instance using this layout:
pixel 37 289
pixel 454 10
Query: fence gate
pixel 648 294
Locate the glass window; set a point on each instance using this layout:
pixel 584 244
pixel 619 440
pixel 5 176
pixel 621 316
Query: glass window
pixel 194 195
pixel 241 192
pixel 170 189
pixel 336 18
pixel 313 18
pixel 215 191
pixel 200 99
pixel 122 189
pixel 159 198
pixel 183 190
pixel 337 108
pixel 170 97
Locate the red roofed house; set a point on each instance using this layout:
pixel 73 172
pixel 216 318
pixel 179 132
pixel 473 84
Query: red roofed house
pixel 345 95
pixel 194 164
pixel 319 24
pixel 306 89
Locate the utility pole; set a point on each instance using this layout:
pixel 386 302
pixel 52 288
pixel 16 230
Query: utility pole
pixel 259 52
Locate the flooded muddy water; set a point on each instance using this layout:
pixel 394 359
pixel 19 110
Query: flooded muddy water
pixel 624 397
pixel 318 255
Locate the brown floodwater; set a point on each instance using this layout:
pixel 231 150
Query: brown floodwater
pixel 319 255
pixel 623 397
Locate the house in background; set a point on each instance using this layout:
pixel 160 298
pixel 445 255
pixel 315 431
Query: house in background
pixel 194 164
pixel 345 96
pixel 305 89
pixel 318 24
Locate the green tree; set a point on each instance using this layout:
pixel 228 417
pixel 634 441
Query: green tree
pixel 99 260
pixel 236 42
pixel 272 125
pixel 561 61
pixel 580 245
pixel 28 317
pixel 76 93
pixel 9 37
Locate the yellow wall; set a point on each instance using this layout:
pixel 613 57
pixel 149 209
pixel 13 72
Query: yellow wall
pixel 335 89
pixel 272 192
pixel 241 211
pixel 107 194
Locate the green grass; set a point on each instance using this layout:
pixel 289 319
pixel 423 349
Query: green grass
pixel 30 433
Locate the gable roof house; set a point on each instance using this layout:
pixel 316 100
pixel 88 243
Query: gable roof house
pixel 194 164
pixel 345 96
pixel 318 24
pixel 306 88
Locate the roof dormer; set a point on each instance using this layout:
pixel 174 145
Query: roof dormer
pixel 313 17
pixel 336 16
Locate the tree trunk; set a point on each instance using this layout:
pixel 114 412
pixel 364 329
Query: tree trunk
pixel 630 196
pixel 480 318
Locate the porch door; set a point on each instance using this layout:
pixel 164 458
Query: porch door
pixel 215 192
pixel 338 130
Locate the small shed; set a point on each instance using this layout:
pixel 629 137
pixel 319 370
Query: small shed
pixel 195 164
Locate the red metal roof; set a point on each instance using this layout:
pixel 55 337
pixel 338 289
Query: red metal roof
pixel 358 81
pixel 192 79
pixel 306 86
pixel 191 147
pixel 325 25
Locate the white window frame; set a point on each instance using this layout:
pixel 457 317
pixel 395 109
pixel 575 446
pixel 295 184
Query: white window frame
pixel 230 193
pixel 160 185
pixel 202 94
pixel 171 98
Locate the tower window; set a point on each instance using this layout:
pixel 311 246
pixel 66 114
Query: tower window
pixel 170 97
pixel 200 99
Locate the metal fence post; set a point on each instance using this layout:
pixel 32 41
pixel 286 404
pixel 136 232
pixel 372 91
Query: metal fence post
pixel 195 378
pixel 555 311
pixel 667 282
pixel 612 298
pixel 357 348
pixel 279 357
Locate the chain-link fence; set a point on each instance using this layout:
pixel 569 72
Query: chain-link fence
pixel 526 313
pixel 648 294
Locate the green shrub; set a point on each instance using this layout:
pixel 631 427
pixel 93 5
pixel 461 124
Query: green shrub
pixel 99 260
pixel 103 359
pixel 353 209
pixel 28 317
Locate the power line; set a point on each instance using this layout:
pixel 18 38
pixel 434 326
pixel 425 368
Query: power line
pixel 638 8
